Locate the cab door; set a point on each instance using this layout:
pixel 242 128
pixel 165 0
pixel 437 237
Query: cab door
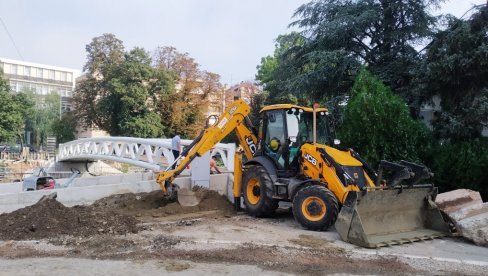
pixel 273 142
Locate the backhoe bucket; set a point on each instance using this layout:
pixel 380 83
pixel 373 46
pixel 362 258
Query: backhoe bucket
pixel 187 197
pixel 383 217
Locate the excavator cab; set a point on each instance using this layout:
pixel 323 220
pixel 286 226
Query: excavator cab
pixel 285 128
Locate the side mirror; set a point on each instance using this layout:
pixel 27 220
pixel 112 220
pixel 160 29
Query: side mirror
pixel 337 142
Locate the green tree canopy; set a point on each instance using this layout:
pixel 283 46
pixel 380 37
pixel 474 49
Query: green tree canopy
pixel 123 99
pixel 378 124
pixel 11 113
pixel 339 36
pixel 134 94
pixel 65 128
pixel 456 70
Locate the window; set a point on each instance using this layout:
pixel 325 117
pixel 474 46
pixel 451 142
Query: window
pixel 44 90
pixel 27 71
pixel 66 107
pixel 39 73
pixel 275 136
pixel 50 74
pixel 13 69
pixel 63 76
pixel 13 86
pixel 306 128
pixel 53 89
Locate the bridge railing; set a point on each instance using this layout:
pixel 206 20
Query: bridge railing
pixel 152 154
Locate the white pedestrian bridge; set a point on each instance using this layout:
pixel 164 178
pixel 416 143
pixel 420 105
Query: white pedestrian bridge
pixel 151 154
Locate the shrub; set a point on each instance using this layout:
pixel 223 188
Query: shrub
pixel 378 125
pixel 461 165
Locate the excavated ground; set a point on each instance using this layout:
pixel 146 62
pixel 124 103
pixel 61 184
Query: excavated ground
pixel 142 228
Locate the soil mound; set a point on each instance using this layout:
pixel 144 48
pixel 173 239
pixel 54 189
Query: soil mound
pixel 49 218
pixel 114 215
pixel 157 204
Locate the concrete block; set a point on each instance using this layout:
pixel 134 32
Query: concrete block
pixel 29 198
pixel 230 188
pixel 9 199
pixel 455 200
pixel 183 182
pixel 475 228
pixel 469 211
pixel 218 182
pixel 15 187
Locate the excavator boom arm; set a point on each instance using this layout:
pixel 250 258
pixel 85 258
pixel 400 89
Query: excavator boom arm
pixel 234 118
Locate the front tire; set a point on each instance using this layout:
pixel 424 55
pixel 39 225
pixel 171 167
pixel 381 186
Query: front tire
pixel 315 207
pixel 257 191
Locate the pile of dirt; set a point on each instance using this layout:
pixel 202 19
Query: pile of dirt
pixel 113 215
pixel 49 218
pixel 156 204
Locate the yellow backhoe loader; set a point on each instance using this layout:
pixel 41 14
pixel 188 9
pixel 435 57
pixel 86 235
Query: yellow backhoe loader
pixel 290 157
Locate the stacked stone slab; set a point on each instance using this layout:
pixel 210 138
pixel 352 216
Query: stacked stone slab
pixel 468 212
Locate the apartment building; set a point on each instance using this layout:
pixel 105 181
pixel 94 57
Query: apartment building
pixel 244 90
pixel 41 79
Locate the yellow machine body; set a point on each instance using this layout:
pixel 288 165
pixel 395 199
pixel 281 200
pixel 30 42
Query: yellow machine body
pixel 291 158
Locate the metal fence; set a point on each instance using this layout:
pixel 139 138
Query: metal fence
pixel 25 155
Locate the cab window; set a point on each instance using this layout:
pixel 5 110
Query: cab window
pixel 274 137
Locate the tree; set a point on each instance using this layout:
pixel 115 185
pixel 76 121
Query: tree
pixel 274 72
pixel 104 51
pixel 339 36
pixel 456 70
pixel 122 91
pixel 378 124
pixel 44 112
pixel 195 92
pixel 11 123
pixel 65 128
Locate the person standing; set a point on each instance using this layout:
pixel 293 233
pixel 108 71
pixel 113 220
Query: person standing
pixel 176 146
pixel 213 165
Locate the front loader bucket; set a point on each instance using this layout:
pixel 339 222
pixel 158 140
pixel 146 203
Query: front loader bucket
pixel 383 217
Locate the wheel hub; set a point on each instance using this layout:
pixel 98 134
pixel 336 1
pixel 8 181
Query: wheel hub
pixel 314 208
pixel 256 191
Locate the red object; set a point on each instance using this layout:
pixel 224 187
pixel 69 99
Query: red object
pixel 316 105
pixel 50 185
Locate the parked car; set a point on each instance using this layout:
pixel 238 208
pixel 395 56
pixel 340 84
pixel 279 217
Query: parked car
pixel 32 183
pixel 8 148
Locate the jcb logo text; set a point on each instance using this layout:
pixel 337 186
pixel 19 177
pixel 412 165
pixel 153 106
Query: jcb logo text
pixel 310 159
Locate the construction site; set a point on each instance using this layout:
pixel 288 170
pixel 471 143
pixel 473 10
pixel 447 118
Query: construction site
pixel 286 201
pixel 144 233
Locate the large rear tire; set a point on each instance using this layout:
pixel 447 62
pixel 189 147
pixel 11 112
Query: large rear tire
pixel 315 207
pixel 257 191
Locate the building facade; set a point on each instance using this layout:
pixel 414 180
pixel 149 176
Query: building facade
pixel 41 79
pixel 244 90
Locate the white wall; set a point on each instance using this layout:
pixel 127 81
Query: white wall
pixel 88 190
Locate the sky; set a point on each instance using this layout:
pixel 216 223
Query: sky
pixel 227 37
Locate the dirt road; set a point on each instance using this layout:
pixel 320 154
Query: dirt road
pixel 212 239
